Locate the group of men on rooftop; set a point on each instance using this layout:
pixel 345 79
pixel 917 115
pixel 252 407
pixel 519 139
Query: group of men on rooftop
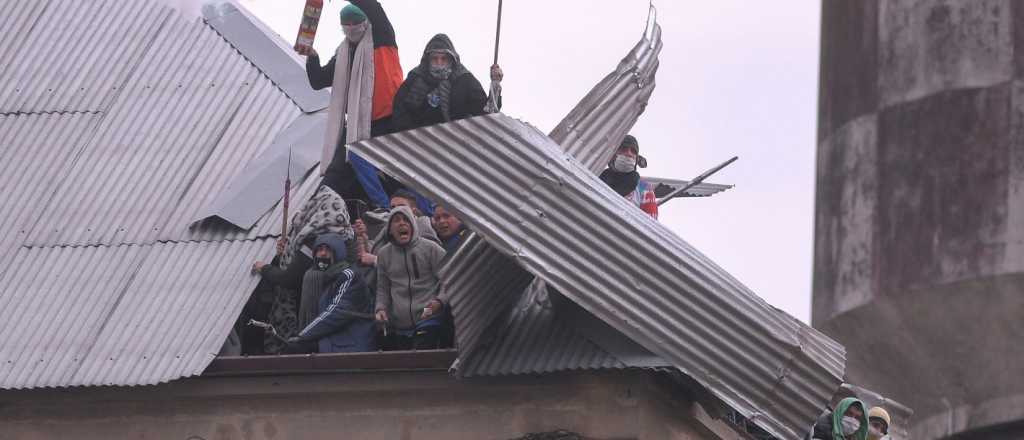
pixel 351 279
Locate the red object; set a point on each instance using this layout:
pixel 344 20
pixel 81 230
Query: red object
pixel 307 28
pixel 650 203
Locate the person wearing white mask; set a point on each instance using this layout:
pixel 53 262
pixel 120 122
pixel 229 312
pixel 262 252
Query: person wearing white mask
pixel 848 421
pixel 622 176
pixel 364 74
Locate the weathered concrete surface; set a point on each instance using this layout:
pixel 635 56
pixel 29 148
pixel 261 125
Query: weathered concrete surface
pixel 421 405
pixel 927 46
pixel 919 251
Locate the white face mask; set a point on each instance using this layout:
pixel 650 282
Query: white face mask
pixel 354 32
pixel 623 163
pixel 850 425
pixel 874 434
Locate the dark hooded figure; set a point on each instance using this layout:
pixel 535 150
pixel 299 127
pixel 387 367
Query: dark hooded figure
pixel 343 321
pixel 439 90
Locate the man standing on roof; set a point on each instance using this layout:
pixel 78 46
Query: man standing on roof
pixel 440 89
pixel 365 73
pixel 622 176
pixel 409 298
pixel 344 319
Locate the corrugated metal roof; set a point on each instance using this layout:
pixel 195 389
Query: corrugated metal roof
pixel 482 285
pixel 543 335
pixel 536 341
pixel 555 217
pixel 76 55
pixel 703 189
pixel 590 132
pixel 107 157
pixel 120 315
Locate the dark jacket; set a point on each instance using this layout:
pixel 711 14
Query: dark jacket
pixel 822 428
pixel 453 242
pixel 407 276
pixel 467 97
pixel 345 323
pixel 386 64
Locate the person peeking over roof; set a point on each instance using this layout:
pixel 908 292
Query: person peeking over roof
pixel 440 89
pixel 409 295
pixel 622 176
pixel 365 73
pixel 848 421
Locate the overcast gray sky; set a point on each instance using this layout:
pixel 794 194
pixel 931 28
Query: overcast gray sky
pixel 737 78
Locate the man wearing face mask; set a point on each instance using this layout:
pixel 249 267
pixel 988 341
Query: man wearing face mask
pixel 440 89
pixel 848 421
pixel 365 73
pixel 342 307
pixel 623 177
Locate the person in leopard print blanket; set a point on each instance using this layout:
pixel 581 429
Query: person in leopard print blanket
pixel 324 212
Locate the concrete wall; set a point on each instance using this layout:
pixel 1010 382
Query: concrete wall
pixel 396 405
pixel 919 249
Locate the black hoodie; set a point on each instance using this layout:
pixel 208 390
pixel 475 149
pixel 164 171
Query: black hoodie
pixel 467 98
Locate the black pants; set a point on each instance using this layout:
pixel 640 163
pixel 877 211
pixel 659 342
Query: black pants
pixel 425 339
pixel 341 177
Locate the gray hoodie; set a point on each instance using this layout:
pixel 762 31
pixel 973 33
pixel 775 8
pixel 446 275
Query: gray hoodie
pixel 407 275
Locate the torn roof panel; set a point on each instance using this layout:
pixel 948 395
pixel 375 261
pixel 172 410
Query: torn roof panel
pixel 590 132
pixel 260 185
pixel 565 226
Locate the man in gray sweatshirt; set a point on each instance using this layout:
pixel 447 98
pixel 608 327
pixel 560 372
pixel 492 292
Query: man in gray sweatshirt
pixel 409 294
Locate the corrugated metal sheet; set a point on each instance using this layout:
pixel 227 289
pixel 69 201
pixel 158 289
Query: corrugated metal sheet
pixel 34 153
pixel 703 189
pixel 77 54
pixel 590 132
pixel 275 57
pixel 569 229
pixel 482 285
pixel 108 155
pixel 535 341
pixel 120 315
pixel 595 127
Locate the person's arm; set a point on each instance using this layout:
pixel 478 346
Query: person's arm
pixel 401 116
pixel 383 287
pixel 334 317
pixel 437 258
pixel 291 276
pixel 319 77
pixel 474 98
pixel 383 31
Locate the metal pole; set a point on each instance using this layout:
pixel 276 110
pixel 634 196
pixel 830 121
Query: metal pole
pixel 497 34
pixel 696 181
pixel 287 196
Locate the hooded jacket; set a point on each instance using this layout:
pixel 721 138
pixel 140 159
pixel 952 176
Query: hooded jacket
pixel 467 97
pixel 344 322
pixel 315 282
pixel 407 275
pixel 829 425
pixel 386 65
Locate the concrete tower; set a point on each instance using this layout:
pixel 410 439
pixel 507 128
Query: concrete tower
pixel 919 252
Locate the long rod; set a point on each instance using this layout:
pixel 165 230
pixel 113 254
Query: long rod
pixel 696 181
pixel 497 34
pixel 287 195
